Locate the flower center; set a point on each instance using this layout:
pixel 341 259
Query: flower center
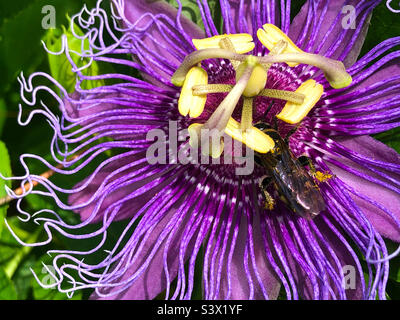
pixel 244 84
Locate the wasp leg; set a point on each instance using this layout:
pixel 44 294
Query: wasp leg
pixel 275 123
pixel 318 175
pixel 291 132
pixel 262 126
pixel 306 161
pixel 269 202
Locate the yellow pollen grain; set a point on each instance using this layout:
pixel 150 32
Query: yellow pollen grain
pixel 322 177
pixel 242 42
pixel 189 103
pixel 270 35
pixel 293 113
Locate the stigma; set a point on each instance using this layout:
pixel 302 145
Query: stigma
pixel 251 75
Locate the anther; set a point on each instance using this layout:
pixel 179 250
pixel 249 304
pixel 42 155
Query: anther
pixel 241 42
pixel 270 36
pixel 254 138
pixel 294 113
pixel 188 102
pixel 278 48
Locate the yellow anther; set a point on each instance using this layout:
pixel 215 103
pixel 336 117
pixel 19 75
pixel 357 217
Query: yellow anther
pixel 242 42
pixel 253 137
pixel 215 145
pixel 270 35
pixel 294 113
pixel 189 103
pixel 322 177
pixel 257 80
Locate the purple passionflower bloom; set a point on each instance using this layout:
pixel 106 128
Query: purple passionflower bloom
pixel 179 213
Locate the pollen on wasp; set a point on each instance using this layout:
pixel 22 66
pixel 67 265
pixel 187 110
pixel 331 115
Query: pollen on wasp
pixel 321 176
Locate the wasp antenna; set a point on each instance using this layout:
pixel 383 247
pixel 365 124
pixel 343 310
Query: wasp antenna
pixel 275 126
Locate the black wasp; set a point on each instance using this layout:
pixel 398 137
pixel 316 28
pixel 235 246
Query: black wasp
pixel 287 175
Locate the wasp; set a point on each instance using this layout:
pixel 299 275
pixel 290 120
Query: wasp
pixel 291 181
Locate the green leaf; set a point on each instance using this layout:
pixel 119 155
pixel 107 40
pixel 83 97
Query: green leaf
pixel 60 67
pixel 394 271
pixel 7 289
pixel 393 289
pixel 390 138
pixel 41 269
pixel 20 34
pixel 5 170
pixel 3 115
pixel 384 25
pixel 11 8
pixel 191 10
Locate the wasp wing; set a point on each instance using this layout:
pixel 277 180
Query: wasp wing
pixel 297 186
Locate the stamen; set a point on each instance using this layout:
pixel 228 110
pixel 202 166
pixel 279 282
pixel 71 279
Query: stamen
pixel 290 96
pixel 252 137
pixel 211 88
pixel 272 35
pixel 188 102
pixel 294 113
pixel 247 114
pixel 334 70
pixel 241 42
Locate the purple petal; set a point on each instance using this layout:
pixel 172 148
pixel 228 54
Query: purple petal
pixel 153 280
pixel 382 196
pixel 240 289
pixel 102 180
pixel 242 16
pixel 334 239
pixel 160 34
pixel 318 28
